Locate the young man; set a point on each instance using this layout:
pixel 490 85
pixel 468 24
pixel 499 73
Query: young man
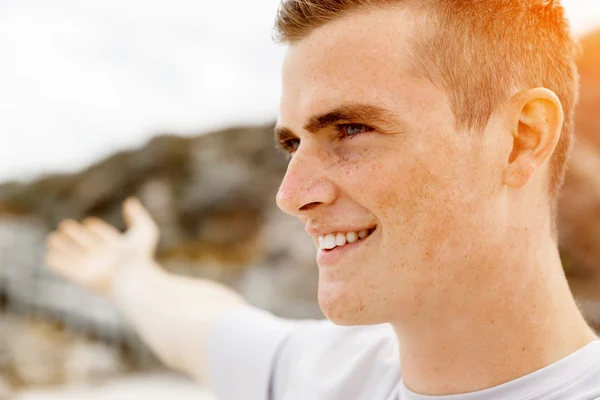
pixel 427 143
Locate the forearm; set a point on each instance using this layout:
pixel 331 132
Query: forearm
pixel 174 315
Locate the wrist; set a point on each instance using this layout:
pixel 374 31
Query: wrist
pixel 133 277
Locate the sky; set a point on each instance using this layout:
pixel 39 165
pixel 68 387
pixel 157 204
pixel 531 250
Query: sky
pixel 81 79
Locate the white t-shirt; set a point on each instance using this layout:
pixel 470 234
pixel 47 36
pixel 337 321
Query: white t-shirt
pixel 253 355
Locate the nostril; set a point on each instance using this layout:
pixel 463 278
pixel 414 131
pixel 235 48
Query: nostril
pixel 309 206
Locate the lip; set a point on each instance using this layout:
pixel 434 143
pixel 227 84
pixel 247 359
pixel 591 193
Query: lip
pixel 329 258
pixel 322 231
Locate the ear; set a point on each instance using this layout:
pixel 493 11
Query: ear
pixel 536 120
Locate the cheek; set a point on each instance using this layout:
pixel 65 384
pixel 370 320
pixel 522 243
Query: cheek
pixel 424 196
pixel 420 200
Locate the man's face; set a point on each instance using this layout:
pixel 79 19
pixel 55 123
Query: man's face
pixel 376 150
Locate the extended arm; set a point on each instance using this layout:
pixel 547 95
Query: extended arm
pixel 174 315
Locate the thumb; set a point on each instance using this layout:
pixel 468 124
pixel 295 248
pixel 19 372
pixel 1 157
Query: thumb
pixel 139 222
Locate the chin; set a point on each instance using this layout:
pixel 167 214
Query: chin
pixel 344 307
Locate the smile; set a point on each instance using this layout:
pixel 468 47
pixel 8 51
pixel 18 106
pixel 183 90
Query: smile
pixel 336 240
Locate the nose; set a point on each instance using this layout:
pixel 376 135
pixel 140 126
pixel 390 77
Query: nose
pixel 306 185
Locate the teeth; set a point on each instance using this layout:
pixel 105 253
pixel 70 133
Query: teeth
pixel 321 242
pixel 351 237
pixel 329 241
pixel 332 240
pixel 340 239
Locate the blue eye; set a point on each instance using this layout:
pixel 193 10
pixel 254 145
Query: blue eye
pixel 355 129
pixel 350 131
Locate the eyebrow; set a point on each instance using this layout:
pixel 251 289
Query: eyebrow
pixel 349 113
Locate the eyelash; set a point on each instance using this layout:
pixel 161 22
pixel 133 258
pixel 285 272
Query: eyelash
pixel 342 136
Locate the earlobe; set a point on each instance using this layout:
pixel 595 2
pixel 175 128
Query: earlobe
pixel 537 119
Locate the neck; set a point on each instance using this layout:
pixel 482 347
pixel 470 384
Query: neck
pixel 524 319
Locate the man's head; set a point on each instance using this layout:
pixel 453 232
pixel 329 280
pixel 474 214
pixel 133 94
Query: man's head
pixel 434 124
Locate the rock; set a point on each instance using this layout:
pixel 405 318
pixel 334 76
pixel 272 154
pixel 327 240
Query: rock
pixel 579 229
pixel 579 209
pixel 38 353
pixel 6 390
pixel 92 361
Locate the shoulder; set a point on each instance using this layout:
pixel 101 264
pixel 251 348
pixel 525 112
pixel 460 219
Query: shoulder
pixel 322 360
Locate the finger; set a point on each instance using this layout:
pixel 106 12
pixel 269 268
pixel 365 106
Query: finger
pixel 61 263
pixel 58 242
pixel 137 217
pixel 100 228
pixel 78 234
pixel 135 213
pixel 142 228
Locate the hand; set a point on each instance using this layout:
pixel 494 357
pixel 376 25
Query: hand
pixel 93 253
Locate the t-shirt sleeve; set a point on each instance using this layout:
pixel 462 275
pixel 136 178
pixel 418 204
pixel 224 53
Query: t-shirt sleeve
pixel 254 355
pixel 241 353
pixel 323 361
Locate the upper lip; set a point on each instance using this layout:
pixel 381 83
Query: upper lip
pixel 324 230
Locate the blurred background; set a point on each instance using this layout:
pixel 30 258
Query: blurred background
pixel 174 102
